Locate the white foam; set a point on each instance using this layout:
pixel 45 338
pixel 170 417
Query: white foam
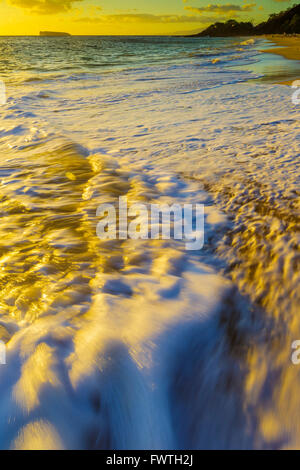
pixel 141 344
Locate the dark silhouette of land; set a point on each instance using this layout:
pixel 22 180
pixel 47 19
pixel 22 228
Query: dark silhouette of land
pixel 285 22
pixel 53 34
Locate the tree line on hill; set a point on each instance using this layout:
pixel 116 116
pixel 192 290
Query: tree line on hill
pixel 285 22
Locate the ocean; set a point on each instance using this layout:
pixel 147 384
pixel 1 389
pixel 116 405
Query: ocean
pixel 141 344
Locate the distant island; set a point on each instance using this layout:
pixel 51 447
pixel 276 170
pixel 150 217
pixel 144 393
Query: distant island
pixel 285 22
pixel 54 34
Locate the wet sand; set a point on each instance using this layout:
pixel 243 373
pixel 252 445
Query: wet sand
pixel 289 48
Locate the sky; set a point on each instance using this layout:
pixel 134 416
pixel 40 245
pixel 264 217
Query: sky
pixel 132 17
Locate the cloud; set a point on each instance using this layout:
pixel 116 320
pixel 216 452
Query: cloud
pixel 221 9
pixel 45 7
pixel 146 18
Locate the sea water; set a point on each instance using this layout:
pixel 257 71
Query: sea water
pixel 140 344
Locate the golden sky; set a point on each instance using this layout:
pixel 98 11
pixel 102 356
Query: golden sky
pixel 133 17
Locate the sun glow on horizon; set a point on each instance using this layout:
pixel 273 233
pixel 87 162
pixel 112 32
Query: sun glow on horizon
pixel 112 17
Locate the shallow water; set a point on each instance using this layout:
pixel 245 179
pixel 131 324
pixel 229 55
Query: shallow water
pixel 141 344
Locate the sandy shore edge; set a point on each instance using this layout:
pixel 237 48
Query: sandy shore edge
pixel 289 48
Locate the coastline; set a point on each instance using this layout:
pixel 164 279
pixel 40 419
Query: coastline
pixel 287 47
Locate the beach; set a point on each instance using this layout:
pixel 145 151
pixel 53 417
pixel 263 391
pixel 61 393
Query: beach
pixel 142 344
pixel 288 47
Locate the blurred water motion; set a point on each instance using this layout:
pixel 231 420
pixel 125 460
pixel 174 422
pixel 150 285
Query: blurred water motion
pixel 141 344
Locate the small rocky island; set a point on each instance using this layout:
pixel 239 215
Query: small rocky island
pixel 53 34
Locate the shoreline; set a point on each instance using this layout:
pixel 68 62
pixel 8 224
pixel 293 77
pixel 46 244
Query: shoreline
pixel 287 47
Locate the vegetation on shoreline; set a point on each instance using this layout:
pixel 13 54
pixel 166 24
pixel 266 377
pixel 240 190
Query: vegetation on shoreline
pixel 285 22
